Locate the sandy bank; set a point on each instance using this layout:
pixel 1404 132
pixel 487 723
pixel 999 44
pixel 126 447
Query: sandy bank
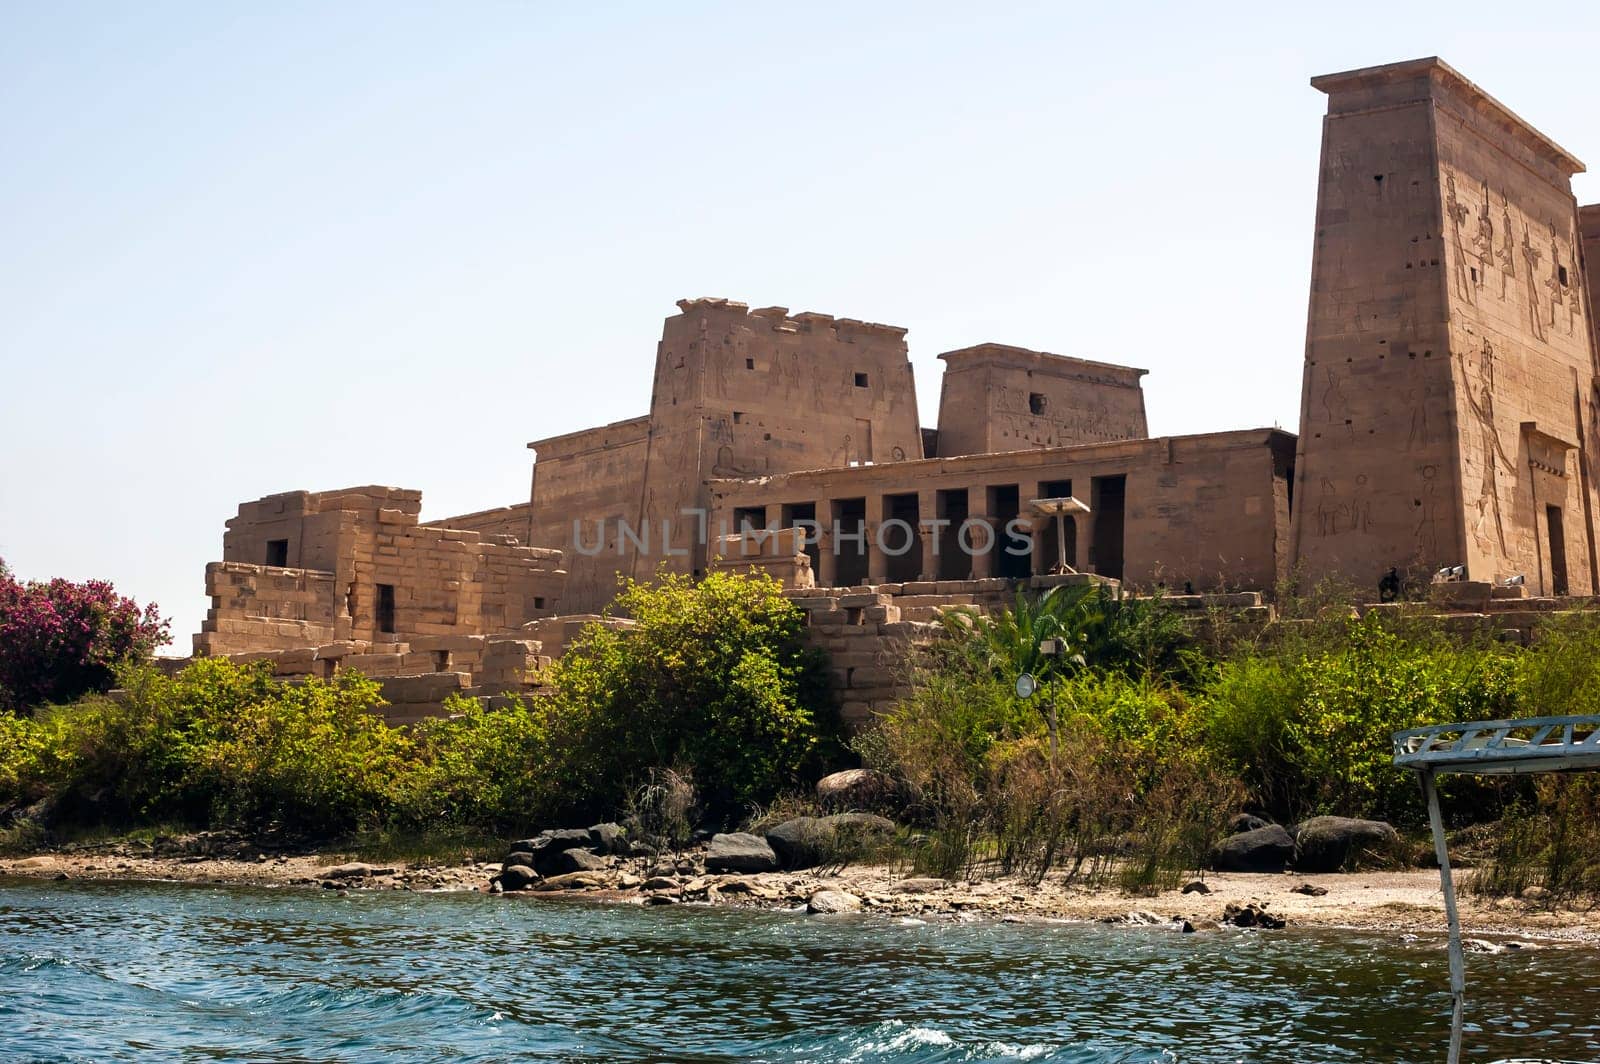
pixel 1375 901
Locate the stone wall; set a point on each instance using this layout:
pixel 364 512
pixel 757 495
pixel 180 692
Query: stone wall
pixel 780 553
pixel 361 568
pixel 1207 511
pixel 416 677
pixel 585 485
pixel 1448 364
pixel 997 398
pixel 736 393
pixel 513 521
pixel 1589 228
pixel 269 608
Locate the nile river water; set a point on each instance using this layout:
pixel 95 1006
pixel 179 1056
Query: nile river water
pixel 98 972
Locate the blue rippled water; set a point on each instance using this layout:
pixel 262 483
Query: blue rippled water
pixel 100 972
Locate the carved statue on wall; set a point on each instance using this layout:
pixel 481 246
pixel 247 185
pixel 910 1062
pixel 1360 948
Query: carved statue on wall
pixel 1427 533
pixel 1532 255
pixel 1508 248
pixel 1553 282
pixel 1484 241
pixel 1482 405
pixel 1334 402
pixel 1458 213
pixel 1418 436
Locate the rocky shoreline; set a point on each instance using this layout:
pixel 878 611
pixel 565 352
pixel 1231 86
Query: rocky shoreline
pixel 1401 902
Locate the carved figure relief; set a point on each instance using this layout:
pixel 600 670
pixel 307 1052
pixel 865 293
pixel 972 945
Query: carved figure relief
pixel 1458 212
pixel 1532 255
pixel 1418 436
pixel 1508 248
pixel 1491 452
pixel 1483 243
pixel 1427 532
pixel 1336 516
pixel 1334 402
pixel 1553 282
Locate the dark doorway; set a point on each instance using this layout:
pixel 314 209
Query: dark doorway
pixel 278 552
pixel 954 562
pixel 1057 489
pixel 1558 550
pixel 850 542
pixel 804 515
pixel 385 608
pixel 749 518
pixel 901 542
pixel 1109 495
pixel 1004 508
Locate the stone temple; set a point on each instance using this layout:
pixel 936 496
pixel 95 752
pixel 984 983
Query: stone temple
pixel 1448 403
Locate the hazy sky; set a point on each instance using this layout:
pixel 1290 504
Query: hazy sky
pixel 253 249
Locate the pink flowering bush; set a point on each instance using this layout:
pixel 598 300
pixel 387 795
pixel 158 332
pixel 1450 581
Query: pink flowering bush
pixel 60 641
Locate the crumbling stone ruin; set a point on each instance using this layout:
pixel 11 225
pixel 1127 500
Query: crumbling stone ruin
pixel 1448 403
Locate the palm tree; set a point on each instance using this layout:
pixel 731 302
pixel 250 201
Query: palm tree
pixel 1046 637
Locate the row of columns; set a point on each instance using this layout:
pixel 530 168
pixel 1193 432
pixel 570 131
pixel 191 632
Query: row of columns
pixel 985 564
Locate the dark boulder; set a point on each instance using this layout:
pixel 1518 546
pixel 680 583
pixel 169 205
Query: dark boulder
pixel 1266 849
pixel 574 861
pixel 574 881
pixel 864 823
pixel 858 788
pixel 1252 915
pixel 608 838
pixel 803 842
pixel 1242 822
pixel 1337 844
pixel 518 857
pixel 740 852
pixel 808 841
pixel 558 839
pixel 517 877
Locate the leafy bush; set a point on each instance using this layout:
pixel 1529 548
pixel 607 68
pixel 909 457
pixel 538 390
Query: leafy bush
pixel 1550 840
pixel 220 744
pixel 1310 730
pixel 60 641
pixel 997 796
pixel 710 678
pixel 479 766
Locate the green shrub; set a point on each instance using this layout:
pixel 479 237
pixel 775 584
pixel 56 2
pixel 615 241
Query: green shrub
pixel 22 744
pixel 711 678
pixel 1312 733
pixel 478 766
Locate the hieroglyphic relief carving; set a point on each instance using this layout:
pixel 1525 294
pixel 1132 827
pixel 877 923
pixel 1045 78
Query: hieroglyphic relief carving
pixel 1419 435
pixel 1334 403
pixel 1427 531
pixel 1532 255
pixel 1508 248
pixel 1484 241
pixel 1336 516
pixel 1492 452
pixel 1553 282
pixel 1574 299
pixel 1458 212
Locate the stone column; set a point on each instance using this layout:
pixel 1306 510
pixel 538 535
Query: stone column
pixel 827 546
pixel 978 510
pixel 1043 560
pixel 877 561
pixel 1084 523
pixel 927 513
